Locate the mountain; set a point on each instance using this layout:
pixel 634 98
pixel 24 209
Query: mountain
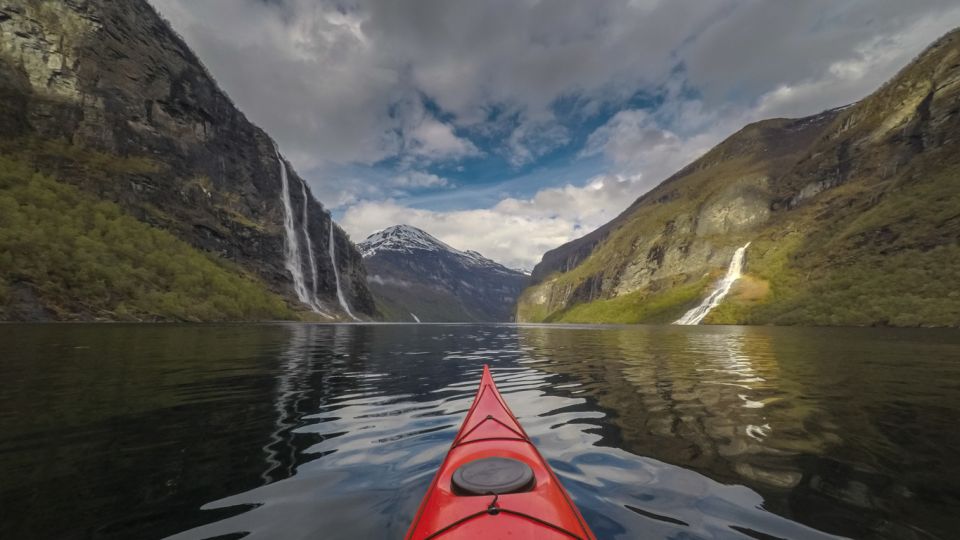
pixel 853 218
pixel 133 188
pixel 414 276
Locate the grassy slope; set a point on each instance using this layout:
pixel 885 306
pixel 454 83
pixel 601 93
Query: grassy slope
pixel 879 249
pixel 79 254
pixel 637 307
pixel 888 255
pixel 613 252
pixel 656 304
pixel 891 258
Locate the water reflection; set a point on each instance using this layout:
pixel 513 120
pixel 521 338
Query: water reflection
pixel 295 431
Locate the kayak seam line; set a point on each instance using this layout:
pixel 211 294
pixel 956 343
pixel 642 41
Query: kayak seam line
pixel 480 423
pixel 494 439
pixel 534 519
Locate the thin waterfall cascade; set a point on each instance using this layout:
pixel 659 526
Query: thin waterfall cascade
pixel 734 271
pixel 336 274
pixel 415 318
pixel 291 246
pixel 306 234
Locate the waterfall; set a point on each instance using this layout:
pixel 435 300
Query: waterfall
pixel 306 234
pixel 414 315
pixel 291 246
pixel 697 314
pixel 336 274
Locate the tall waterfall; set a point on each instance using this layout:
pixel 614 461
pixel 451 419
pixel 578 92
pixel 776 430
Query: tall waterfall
pixel 306 234
pixel 336 274
pixel 697 314
pixel 291 246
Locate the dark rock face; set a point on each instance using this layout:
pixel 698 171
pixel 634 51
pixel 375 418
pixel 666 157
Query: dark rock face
pixel 112 77
pixel 415 276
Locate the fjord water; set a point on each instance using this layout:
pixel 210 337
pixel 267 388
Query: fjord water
pixel 291 431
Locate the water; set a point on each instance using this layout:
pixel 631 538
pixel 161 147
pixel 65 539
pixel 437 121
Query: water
pixel 336 274
pixel 697 314
pixel 310 257
pixel 292 260
pixel 292 431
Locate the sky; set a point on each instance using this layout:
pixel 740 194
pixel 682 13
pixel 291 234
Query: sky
pixel 512 126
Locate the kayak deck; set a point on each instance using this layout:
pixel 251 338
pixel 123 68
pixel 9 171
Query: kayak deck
pixel 542 510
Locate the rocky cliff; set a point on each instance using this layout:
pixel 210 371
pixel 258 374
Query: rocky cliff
pixel 104 96
pixel 852 215
pixel 416 277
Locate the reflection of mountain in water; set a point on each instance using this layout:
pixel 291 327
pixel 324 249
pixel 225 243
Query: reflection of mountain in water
pixel 695 399
pixel 758 407
pixel 286 431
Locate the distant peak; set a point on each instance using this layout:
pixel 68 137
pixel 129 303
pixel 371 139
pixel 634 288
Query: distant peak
pixel 402 238
pixel 410 240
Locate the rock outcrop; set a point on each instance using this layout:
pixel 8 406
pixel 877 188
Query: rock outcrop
pixel 82 78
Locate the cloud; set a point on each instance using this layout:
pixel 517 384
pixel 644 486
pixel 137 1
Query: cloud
pixel 637 144
pixel 345 82
pixel 515 231
pixel 418 180
pixel 857 73
pixel 435 140
pixel 433 86
pixel 532 139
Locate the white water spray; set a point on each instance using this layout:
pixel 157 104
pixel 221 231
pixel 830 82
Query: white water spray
pixel 697 314
pixel 306 234
pixel 291 252
pixel 291 246
pixel 336 274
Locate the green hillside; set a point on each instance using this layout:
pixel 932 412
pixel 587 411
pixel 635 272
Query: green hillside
pixel 853 217
pixel 64 253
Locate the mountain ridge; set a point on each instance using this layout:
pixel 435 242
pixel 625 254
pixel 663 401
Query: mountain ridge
pixel 107 98
pixel 780 183
pixel 415 276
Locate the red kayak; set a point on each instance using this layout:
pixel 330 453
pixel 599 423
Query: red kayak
pixel 494 483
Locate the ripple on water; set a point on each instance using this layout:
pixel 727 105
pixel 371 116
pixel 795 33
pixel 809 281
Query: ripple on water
pixel 313 431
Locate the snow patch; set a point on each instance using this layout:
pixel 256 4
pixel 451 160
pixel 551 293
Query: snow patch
pixel 409 240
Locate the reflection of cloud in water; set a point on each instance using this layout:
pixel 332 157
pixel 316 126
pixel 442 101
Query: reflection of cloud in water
pixel 378 442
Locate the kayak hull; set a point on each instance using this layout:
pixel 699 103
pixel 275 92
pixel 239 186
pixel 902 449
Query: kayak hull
pixel 543 511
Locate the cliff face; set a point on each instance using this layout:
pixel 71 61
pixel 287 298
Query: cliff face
pixel 82 81
pixel 685 227
pixel 838 206
pixel 416 277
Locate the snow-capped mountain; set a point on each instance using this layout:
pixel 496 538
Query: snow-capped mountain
pixel 417 277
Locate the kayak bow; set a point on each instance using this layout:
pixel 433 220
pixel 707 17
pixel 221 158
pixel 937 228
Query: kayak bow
pixel 495 484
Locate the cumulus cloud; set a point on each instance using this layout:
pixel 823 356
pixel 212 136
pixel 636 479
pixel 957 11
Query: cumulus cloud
pixel 534 138
pixel 346 84
pixel 634 141
pixel 434 139
pixel 515 231
pixel 330 78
